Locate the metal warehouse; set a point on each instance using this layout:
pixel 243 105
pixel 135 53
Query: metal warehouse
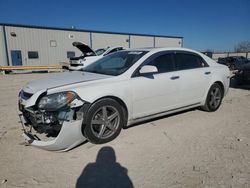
pixel 36 45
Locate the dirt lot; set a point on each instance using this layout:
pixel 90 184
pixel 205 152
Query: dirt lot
pixel 190 149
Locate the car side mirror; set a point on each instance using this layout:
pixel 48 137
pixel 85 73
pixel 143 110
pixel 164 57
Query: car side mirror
pixel 148 69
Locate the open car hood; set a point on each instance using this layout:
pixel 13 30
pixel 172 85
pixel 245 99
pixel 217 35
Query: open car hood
pixel 85 49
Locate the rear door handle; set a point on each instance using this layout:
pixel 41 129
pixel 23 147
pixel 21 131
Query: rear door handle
pixel 175 77
pixel 208 72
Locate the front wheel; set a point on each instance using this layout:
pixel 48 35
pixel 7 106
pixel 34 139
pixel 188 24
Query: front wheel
pixel 214 98
pixel 104 121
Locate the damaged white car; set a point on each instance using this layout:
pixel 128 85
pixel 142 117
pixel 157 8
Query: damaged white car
pixel 89 56
pixel 123 88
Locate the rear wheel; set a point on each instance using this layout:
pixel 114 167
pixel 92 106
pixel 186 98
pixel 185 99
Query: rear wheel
pixel 214 98
pixel 104 121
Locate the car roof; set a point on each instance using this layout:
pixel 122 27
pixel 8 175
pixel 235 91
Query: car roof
pixel 158 49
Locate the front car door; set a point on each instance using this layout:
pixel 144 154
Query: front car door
pixel 155 93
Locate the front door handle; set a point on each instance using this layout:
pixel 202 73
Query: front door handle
pixel 175 77
pixel 208 72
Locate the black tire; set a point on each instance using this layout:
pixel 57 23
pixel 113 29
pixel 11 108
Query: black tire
pixel 214 98
pixel 104 121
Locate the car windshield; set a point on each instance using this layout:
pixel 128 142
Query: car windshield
pixel 100 51
pixel 115 63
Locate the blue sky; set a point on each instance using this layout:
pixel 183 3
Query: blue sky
pixel 215 24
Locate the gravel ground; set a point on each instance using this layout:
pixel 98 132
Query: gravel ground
pixel 189 149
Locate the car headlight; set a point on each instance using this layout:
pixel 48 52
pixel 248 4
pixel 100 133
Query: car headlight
pixel 55 101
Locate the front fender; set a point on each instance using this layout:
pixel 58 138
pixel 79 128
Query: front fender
pixel 91 93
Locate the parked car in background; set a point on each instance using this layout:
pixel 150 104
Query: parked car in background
pixel 244 59
pixel 233 62
pixel 116 91
pixel 243 74
pixel 208 53
pixel 89 55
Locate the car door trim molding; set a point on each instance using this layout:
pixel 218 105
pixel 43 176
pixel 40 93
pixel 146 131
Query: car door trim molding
pixel 167 111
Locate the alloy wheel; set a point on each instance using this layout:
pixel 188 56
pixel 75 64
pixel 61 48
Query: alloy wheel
pixel 105 122
pixel 215 97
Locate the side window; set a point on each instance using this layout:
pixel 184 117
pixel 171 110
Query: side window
pixel 100 51
pixel 164 63
pixel 114 50
pixel 188 61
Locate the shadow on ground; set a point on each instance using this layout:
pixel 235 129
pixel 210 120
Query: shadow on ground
pixel 105 172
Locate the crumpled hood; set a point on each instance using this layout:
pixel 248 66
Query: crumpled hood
pixel 61 79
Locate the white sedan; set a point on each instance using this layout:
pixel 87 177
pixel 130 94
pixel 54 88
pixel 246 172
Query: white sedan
pixel 130 86
pixel 89 55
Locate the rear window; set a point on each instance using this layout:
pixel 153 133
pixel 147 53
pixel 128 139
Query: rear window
pixel 185 61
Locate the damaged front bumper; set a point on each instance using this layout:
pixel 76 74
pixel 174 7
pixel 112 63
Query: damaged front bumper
pixel 63 134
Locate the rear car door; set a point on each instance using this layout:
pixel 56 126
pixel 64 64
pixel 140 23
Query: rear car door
pixel 155 93
pixel 194 74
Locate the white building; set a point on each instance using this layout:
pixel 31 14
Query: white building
pixel 36 45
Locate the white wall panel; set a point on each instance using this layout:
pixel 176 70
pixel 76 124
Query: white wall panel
pixel 216 56
pixel 39 39
pixel 141 41
pixel 103 40
pixel 238 54
pixel 168 42
pixel 31 39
